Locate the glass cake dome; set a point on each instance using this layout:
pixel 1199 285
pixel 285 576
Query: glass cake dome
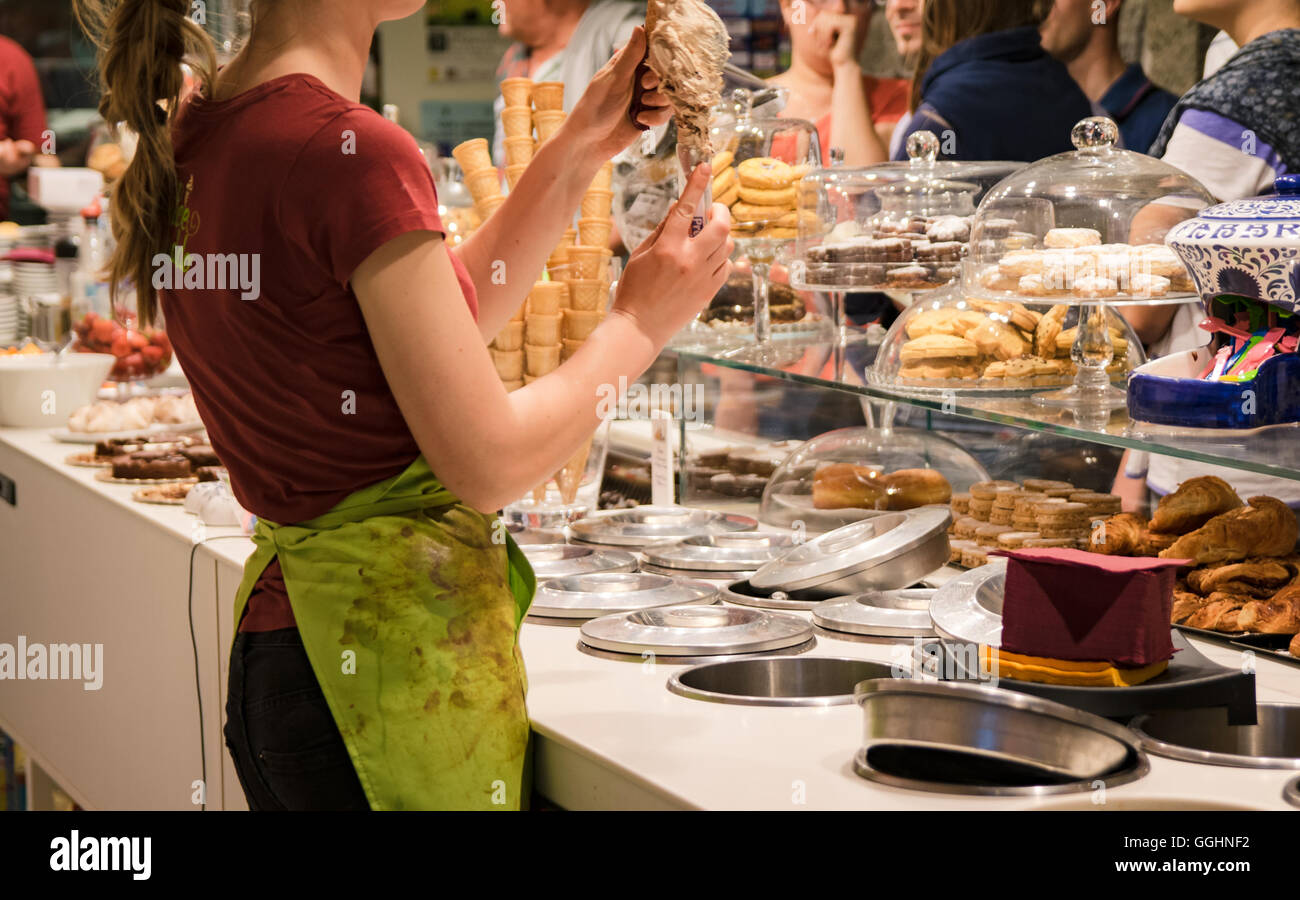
pixel 846 475
pixel 952 340
pixel 899 226
pixel 1085 225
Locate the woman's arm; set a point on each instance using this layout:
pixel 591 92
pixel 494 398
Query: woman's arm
pixel 851 123
pixel 507 254
pixel 487 446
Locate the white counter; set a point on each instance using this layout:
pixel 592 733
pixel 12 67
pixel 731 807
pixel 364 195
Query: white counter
pixel 80 561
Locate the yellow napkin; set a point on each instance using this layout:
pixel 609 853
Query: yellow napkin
pixel 1044 670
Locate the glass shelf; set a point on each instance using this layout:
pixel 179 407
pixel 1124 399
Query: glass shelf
pixel 1273 451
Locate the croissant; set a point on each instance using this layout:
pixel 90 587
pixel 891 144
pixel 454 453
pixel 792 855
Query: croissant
pixel 1154 541
pixel 1196 501
pixel 1252 574
pixel 1294 649
pixel 1219 613
pixel 1266 527
pixel 1119 535
pixel 1186 603
pixel 1279 615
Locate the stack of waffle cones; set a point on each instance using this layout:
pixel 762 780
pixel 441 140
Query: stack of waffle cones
pixel 519 117
pixel 481 177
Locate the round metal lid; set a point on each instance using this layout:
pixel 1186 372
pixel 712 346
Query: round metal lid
pixel 734 552
pixel 743 593
pixel 853 548
pixel 696 631
pixel 561 560
pixel 601 593
pixel 645 525
pixel 903 613
pixel 968 609
pixel 1291 793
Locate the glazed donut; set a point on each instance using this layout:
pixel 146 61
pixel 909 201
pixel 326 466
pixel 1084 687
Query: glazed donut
pixel 910 488
pixel 724 181
pixel 721 160
pixel 750 212
pixel 764 173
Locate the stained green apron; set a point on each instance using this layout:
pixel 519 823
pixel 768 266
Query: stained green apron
pixel 409 611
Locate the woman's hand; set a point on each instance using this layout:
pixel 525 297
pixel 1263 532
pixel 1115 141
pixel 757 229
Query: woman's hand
pixel 671 276
pixel 599 122
pixel 840 30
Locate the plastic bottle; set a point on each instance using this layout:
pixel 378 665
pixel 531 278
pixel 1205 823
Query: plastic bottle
pixel 89 289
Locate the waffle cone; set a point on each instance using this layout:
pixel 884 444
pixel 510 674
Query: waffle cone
pixel 548 122
pixel 547 298
pixel 596 204
pixel 580 323
pixel 569 478
pixel 473 155
pixel 489 206
pixel 541 360
pixel 592 231
pixel 587 294
pixel 514 173
pixel 604 178
pixel 483 183
pixel 509 363
pixel 568 347
pixel 513 385
pixel 517 91
pixel 517 121
pixel 519 151
pixel 542 330
pixel 511 337
pixel 570 237
pixel 548 95
pixel 586 262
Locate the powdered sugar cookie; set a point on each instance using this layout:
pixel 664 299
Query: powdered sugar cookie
pixel 1071 237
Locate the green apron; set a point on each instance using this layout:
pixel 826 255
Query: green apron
pixel 409 611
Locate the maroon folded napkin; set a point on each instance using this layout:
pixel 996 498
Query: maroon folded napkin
pixel 1070 604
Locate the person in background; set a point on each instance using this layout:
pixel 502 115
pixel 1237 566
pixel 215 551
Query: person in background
pixel 560 40
pixel 1235 132
pixel 1084 34
pixel 852 110
pixel 985 85
pixel 904 18
pixel 22 118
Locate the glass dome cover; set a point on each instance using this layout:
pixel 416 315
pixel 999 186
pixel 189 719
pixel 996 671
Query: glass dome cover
pixel 1085 225
pixel 901 226
pixel 953 341
pixel 848 474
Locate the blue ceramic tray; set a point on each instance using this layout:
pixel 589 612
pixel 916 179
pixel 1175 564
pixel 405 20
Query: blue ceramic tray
pixel 1166 392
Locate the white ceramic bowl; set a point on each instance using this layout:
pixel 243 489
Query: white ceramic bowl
pixel 36 393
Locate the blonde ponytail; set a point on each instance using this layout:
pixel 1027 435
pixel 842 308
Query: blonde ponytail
pixel 143 44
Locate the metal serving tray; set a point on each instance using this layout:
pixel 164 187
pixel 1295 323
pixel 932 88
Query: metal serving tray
pixel 562 560
pixel 742 551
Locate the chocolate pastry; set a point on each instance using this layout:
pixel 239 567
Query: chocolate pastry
pixel 946 251
pixel 1218 614
pixel 1261 572
pixel 1196 501
pixel 1278 615
pixel 889 250
pixel 210 473
pixel 200 455
pixel 997 229
pixel 738 485
pixel 734 301
pixel 714 458
pixel 152 464
pixel 847 251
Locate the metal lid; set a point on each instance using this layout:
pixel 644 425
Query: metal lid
pixel 743 593
pixel 1291 793
pixel 602 593
pixel 645 525
pixel 852 549
pixel 903 613
pixel 992 723
pixel 736 552
pixel 696 631
pixel 561 560
pixel 968 608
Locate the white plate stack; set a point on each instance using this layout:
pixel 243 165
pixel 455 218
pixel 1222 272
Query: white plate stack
pixel 10 324
pixel 31 278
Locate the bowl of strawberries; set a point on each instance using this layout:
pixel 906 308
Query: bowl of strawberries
pixel 138 353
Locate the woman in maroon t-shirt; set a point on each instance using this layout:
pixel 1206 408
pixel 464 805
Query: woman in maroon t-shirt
pixel 349 345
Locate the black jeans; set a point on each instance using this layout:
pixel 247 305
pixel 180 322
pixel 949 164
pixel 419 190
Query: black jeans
pixel 286 748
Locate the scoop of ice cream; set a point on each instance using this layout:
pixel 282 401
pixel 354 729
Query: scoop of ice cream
pixel 688 46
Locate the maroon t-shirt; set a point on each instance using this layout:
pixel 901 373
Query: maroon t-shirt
pixel 302 185
pixel 22 109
